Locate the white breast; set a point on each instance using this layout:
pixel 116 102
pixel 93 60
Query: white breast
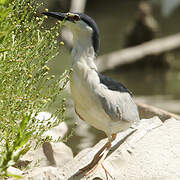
pixel 86 103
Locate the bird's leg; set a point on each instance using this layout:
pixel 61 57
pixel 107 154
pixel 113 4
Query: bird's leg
pixel 113 137
pixel 95 160
pixel 101 158
pixel 98 157
pixel 107 172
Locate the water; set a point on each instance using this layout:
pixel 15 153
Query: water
pixel 156 87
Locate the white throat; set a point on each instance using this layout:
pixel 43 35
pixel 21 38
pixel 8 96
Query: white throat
pixel 83 53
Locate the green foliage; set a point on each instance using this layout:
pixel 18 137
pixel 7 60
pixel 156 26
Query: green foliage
pixel 26 87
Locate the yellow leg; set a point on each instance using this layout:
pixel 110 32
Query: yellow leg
pixel 106 171
pixel 113 137
pixel 97 158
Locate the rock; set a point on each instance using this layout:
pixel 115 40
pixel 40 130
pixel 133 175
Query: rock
pixel 36 158
pixel 166 102
pixel 54 154
pixel 14 171
pixel 50 173
pixel 151 152
pixel 55 132
pixel 50 154
pixel 62 154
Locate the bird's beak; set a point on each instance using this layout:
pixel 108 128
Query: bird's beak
pixel 63 16
pixel 57 15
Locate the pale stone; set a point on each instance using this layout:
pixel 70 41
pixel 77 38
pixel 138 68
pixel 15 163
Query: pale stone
pixel 14 171
pixel 54 154
pixel 150 153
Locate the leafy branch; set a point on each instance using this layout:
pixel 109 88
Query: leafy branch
pixel 26 86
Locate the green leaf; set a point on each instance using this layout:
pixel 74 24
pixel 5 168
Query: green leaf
pixel 3 1
pixel 24 123
pixel 21 152
pixel 25 86
pixel 3 50
pixel 26 138
pixel 4 12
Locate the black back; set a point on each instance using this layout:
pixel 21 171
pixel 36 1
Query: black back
pixel 113 84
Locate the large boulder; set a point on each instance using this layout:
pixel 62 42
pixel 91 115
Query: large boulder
pixel 152 152
pixel 50 154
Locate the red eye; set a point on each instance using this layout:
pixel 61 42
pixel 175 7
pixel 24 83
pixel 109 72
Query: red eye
pixel 76 18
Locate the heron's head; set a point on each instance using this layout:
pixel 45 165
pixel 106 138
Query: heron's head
pixel 80 24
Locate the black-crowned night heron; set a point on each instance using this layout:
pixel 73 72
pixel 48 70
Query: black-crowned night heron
pixel 101 101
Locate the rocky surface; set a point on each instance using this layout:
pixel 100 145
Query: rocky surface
pixel 49 154
pixel 151 152
pixel 165 102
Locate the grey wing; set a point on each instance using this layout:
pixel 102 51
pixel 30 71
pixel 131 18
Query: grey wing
pixel 116 100
pixel 119 106
pixel 111 108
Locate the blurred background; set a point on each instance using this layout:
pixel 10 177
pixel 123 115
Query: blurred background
pixel 154 79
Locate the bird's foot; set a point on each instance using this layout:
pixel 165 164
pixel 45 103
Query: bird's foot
pixel 92 171
pixel 90 167
pixel 107 172
pixel 99 157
